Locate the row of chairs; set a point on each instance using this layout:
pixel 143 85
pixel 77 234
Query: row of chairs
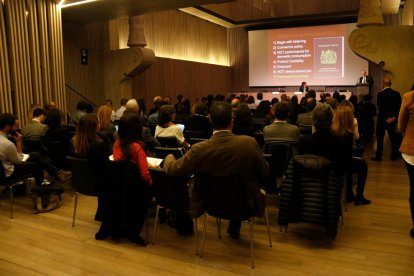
pixel 224 197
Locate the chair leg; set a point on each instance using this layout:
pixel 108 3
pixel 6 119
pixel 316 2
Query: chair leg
pixel 218 220
pixel 11 201
pixel 268 228
pixel 155 223
pixel 75 204
pixel 196 235
pixel 146 225
pixel 251 243
pixel 203 236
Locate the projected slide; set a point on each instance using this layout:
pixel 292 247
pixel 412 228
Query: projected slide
pixel 318 55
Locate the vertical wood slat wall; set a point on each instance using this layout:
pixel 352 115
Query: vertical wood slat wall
pixel 31 56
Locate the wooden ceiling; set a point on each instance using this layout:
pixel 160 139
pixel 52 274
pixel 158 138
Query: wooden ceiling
pixel 101 10
pixel 229 13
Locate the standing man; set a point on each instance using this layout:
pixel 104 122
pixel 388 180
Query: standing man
pixel 388 103
pixel 366 79
pixel 223 154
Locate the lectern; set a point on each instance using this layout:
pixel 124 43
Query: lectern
pixel 362 89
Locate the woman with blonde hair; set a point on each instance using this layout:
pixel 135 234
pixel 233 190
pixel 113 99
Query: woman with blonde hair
pixel 106 130
pixel 343 126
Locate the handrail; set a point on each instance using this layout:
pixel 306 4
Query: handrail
pixel 83 97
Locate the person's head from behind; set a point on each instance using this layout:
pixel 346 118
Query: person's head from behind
pixel 332 102
pixel 343 120
pixel 86 131
pixel 281 111
pixel 166 114
pixel 123 101
pixel 322 117
pixel 221 115
pixel 132 105
pixel 235 103
pixel 129 131
pixel 262 109
pixel 104 116
pixel 49 105
pixel 82 106
pixel 348 103
pixel 250 100
pixel 8 123
pixel 243 115
pixel 274 101
pixel 54 119
pixel 310 104
pixel 312 94
pixel 39 114
pixel 201 109
pixel 108 102
pixel 180 97
pixel 304 84
pixel 157 100
pixel 260 96
pixel 386 82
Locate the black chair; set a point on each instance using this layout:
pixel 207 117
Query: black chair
pixel 84 181
pixel 125 200
pixel 193 141
pixel 194 134
pixel 168 142
pixel 278 155
pixel 33 146
pixel 10 183
pixel 57 153
pixel 258 135
pixel 170 193
pixel 162 152
pixel 227 197
pixel 305 129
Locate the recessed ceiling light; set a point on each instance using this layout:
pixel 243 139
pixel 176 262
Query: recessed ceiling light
pixel 77 3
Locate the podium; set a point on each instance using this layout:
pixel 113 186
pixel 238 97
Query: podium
pixel 362 89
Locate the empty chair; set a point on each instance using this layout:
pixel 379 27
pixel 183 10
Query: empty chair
pixel 10 183
pixel 84 181
pixel 280 153
pixel 168 142
pixel 230 198
pixel 172 193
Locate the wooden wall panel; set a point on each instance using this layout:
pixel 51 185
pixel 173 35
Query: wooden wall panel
pixel 177 35
pixel 5 85
pixel 169 77
pixel 86 79
pixel 29 48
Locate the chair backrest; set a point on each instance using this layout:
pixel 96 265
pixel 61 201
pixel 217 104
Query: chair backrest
pixel 223 196
pixel 188 134
pixel 305 129
pixel 193 141
pixel 281 152
pixel 56 152
pixel 33 146
pixel 162 152
pixel 170 191
pixel 168 142
pixel 84 179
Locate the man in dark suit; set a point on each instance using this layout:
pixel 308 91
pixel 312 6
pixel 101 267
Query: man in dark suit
pixel 224 154
pixel 388 103
pixel 35 129
pixel 365 80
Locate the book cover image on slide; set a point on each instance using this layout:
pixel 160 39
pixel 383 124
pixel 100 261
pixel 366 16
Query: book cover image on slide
pixel 329 53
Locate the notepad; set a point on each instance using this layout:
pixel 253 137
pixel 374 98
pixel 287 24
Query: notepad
pixel 154 161
pixel 25 157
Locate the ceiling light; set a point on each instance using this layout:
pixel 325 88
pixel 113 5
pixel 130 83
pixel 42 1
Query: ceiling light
pixel 78 3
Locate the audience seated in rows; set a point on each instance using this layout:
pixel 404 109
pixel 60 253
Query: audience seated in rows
pixel 221 155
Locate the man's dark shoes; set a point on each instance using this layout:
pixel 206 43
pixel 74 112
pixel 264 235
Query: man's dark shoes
pixel 362 201
pixel 235 235
pixel 378 159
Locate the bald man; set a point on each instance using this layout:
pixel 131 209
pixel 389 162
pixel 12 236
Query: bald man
pixel 388 103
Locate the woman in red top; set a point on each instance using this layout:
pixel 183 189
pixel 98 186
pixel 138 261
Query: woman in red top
pixel 130 146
